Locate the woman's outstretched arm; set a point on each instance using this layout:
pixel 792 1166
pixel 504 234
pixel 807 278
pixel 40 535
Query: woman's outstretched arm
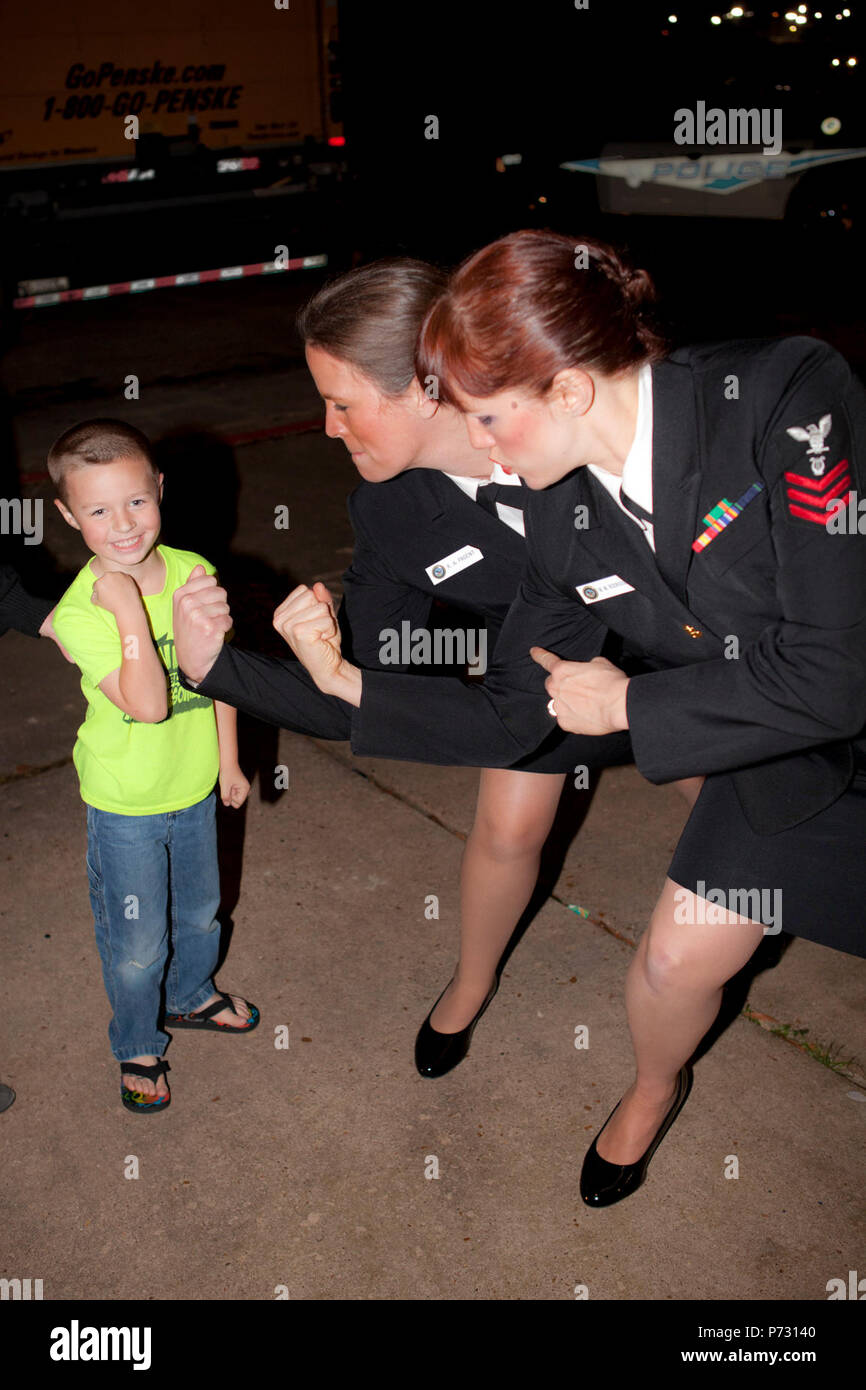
pixel 447 721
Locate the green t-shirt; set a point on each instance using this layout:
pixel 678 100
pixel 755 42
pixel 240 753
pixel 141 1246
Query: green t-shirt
pixel 123 766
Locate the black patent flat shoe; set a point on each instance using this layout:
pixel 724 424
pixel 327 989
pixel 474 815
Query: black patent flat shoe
pixel 603 1183
pixel 437 1053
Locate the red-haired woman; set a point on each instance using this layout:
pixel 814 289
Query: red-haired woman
pixel 694 504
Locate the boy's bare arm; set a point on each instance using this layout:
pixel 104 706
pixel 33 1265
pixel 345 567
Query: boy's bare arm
pixel 227 732
pixel 234 787
pixel 139 685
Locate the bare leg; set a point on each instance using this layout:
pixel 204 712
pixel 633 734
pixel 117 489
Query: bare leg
pixel 500 867
pixel 673 993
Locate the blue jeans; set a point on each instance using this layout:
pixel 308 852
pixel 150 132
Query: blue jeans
pixel 147 872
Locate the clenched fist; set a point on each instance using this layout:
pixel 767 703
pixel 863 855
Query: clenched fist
pixel 307 622
pixel 201 620
pixel 114 590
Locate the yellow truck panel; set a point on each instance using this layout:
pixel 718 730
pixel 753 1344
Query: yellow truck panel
pixel 248 75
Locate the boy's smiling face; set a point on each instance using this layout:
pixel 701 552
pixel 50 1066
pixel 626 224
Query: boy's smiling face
pixel 115 506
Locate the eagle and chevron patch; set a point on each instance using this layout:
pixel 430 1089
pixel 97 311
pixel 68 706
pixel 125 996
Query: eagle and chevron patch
pixel 809 496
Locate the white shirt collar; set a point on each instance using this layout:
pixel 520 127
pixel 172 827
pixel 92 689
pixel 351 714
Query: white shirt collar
pixel 637 471
pixel 471 485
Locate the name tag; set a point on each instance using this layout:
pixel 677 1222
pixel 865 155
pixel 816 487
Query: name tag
pixel 604 588
pixel 451 564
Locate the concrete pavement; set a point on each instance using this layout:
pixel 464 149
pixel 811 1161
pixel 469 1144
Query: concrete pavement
pixel 328 1165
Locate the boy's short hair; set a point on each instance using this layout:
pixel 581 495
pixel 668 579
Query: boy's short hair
pixel 96 441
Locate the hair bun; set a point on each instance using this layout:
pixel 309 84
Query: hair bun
pixel 516 313
pixel 638 289
pixel 634 284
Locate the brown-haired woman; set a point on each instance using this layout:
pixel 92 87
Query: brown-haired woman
pixel 694 505
pixel 422 533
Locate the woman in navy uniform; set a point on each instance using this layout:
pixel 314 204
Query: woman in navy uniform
pixel 699 506
pixel 428 524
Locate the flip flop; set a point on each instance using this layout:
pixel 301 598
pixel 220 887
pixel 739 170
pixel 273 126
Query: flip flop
pixel 203 1019
pixel 137 1101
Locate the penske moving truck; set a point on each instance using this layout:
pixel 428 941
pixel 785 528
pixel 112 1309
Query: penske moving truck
pixel 113 106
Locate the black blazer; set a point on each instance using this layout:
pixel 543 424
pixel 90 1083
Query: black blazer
pixel 19 609
pixel 786 713
pixel 403 529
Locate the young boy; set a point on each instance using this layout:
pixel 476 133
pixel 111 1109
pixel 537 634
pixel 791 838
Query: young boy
pixel 147 755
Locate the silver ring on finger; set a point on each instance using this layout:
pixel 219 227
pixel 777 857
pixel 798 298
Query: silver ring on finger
pixel 551 708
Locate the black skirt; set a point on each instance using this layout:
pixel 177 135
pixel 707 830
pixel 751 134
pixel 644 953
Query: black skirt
pixel 809 881
pixel 561 752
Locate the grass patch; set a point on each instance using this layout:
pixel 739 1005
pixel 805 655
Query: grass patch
pixel 830 1054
